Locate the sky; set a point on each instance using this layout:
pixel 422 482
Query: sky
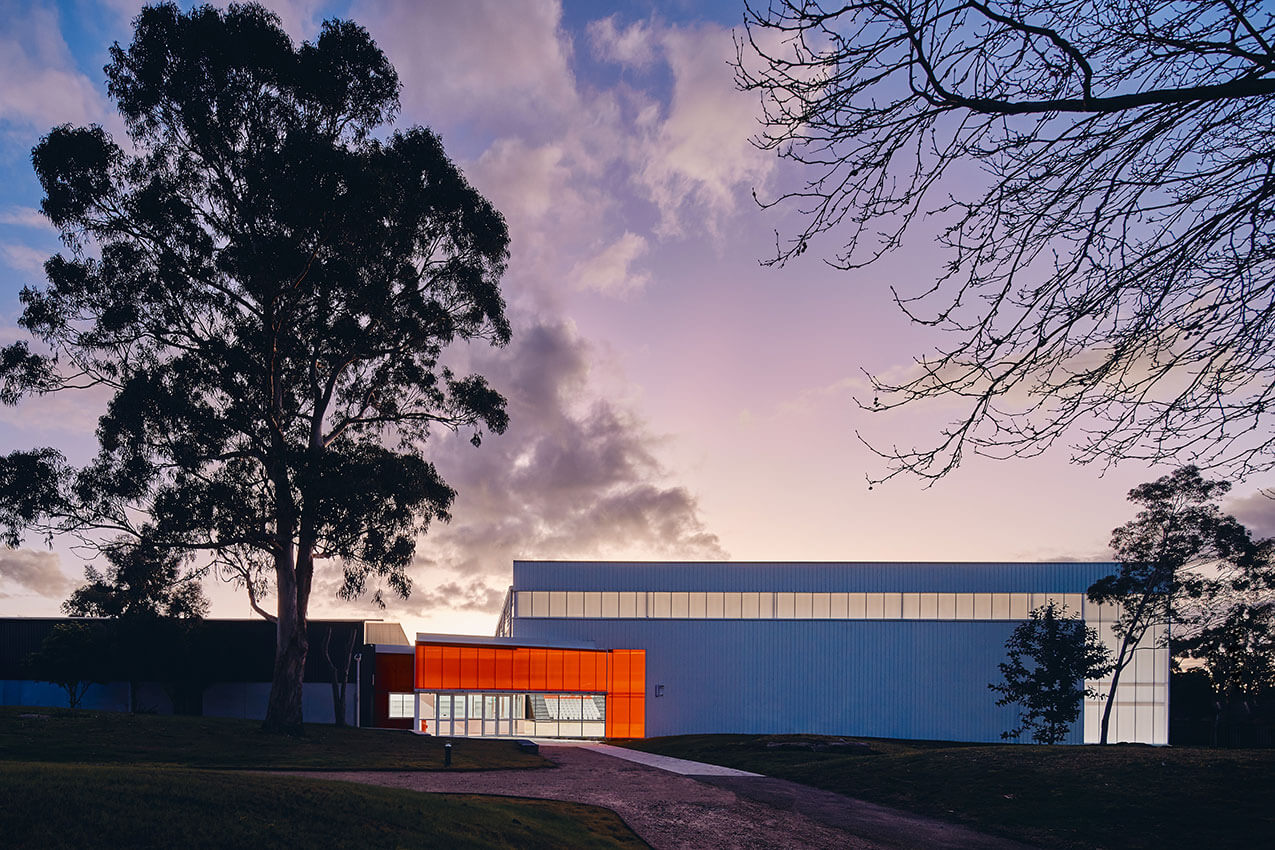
pixel 670 397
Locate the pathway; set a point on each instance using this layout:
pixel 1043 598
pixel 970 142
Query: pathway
pixel 674 804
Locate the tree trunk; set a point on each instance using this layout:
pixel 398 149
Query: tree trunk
pixel 283 711
pixel 340 674
pixel 1123 660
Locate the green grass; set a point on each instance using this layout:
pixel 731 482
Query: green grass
pixel 1066 797
pixel 101 737
pixel 78 806
pixel 80 779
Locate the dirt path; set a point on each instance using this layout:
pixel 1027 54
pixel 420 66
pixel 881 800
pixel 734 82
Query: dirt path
pixel 671 811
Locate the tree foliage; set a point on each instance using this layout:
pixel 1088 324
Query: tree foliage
pixel 72 656
pixel 1099 175
pixel 1172 555
pixel 139 581
pixel 1050 655
pixel 266 281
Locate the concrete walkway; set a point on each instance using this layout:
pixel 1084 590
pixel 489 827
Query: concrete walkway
pixel 683 805
pixel 682 767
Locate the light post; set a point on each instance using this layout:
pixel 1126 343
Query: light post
pixel 358 682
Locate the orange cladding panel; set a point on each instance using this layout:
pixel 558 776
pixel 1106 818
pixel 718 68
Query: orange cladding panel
pixel 450 677
pixel 486 668
pixel 554 679
pixel 505 670
pixel 522 670
pixel 571 670
pixel 468 666
pixel 588 666
pixel 539 669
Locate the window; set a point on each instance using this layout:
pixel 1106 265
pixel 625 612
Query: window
pixel 593 604
pixel 401 705
pixel 822 606
pixel 716 607
pixel 575 604
pixel 858 606
pixel 804 606
pixel 681 608
pixel 750 606
pixel 911 606
pixel 557 603
pixel 840 606
pixel 982 606
pixel 662 604
pixel 699 605
pixel 947 606
pixel 784 605
pixel 876 606
pixel 929 606
pixel 892 605
pixel 611 604
pixel 733 605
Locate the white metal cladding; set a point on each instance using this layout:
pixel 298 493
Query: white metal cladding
pixel 907 678
pixel 902 577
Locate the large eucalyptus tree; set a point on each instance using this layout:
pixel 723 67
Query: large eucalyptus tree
pixel 266 280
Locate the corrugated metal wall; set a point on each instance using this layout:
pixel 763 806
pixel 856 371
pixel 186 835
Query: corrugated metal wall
pixel 922 679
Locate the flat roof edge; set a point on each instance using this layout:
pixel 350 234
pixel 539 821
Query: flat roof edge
pixel 480 640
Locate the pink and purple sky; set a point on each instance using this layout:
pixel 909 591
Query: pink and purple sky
pixel 670 398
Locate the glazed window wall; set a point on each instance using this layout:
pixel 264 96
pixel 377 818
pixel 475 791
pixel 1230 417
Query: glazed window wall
pixel 783 605
pixel 400 706
pixel 1141 710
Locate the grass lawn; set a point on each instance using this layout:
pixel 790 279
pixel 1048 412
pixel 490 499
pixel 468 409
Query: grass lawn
pixel 103 737
pixel 1123 796
pixel 78 806
pixel 80 779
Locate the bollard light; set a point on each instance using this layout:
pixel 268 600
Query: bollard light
pixel 447 754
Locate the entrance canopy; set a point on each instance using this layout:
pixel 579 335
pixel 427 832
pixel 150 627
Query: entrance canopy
pixel 479 686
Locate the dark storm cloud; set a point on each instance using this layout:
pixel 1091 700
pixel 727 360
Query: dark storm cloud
pixel 575 476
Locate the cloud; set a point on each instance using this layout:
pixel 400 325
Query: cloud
pixel 575 476
pixel 609 270
pixel 698 161
pixel 27 217
pixel 1256 511
pixel 489 63
pixel 631 46
pixel 39 83
pixel 31 572
pixel 23 258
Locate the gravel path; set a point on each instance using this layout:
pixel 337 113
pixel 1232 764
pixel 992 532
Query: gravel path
pixel 686 805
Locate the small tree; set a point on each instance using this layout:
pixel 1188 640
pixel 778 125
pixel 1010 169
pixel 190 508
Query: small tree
pixel 1061 652
pixel 1179 531
pixel 72 656
pixel 154 605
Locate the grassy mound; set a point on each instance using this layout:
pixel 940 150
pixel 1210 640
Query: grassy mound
pixel 1127 796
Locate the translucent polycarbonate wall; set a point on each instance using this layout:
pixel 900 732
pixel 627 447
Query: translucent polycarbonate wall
pixel 874 649
pixel 785 605
pixel 1140 712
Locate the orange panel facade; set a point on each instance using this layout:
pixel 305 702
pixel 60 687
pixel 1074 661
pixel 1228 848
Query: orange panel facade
pixel 619 673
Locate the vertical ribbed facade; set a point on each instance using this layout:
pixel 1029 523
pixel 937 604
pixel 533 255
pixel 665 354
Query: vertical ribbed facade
pixel 901 650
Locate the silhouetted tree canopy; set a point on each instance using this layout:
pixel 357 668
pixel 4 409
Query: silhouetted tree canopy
pixel 1049 657
pixel 1099 176
pixel 139 581
pixel 1173 554
pixel 73 656
pixel 266 281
